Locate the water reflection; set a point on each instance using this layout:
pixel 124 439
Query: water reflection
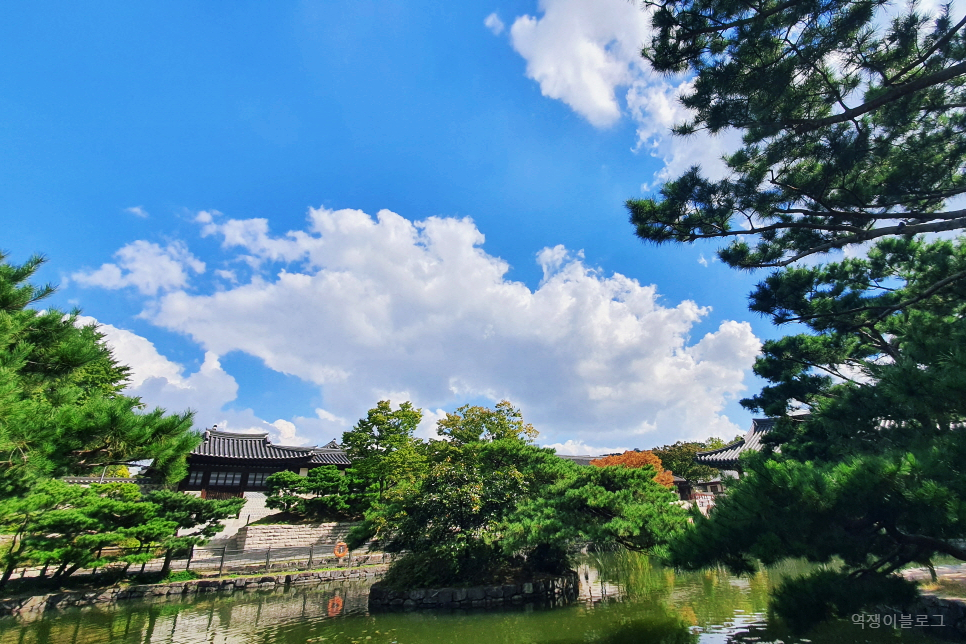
pixel 624 598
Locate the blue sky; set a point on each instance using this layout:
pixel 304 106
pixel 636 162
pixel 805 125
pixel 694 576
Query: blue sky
pixel 207 181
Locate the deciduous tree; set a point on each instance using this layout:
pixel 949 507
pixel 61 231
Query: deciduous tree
pixel 636 459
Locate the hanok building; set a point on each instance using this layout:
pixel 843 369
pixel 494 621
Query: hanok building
pixel 727 458
pixel 228 465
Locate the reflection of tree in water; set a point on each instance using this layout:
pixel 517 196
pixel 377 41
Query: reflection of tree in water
pixel 162 621
pixel 705 598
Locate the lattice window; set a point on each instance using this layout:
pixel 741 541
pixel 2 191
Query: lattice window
pixel 257 479
pixel 195 478
pixel 225 479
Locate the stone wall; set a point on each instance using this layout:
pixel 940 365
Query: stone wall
pixel 35 605
pixel 948 611
pixel 261 537
pixel 561 589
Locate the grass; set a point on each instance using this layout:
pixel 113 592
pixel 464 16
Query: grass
pixel 181 575
pixel 946 587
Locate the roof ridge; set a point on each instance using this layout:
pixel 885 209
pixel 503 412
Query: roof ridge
pixel 217 433
pixel 737 443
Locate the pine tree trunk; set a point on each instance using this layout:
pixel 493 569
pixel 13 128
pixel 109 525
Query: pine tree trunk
pixel 13 558
pixel 70 571
pixel 7 572
pixel 167 563
pixel 60 571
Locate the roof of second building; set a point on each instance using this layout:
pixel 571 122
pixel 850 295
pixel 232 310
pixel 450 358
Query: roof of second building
pixel 329 456
pixel 579 460
pixel 725 458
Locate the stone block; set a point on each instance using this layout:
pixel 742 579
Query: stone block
pixel 475 593
pixel 442 596
pixel 493 591
pixel 528 589
pixel 459 594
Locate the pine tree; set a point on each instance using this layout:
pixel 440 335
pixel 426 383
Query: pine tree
pixel 61 407
pixel 852 126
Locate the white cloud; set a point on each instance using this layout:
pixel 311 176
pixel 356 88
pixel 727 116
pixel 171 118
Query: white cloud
pixel 145 266
pixel 381 308
pixel 137 211
pixel 159 382
pixel 702 260
pixel 494 24
pixel 579 448
pixel 583 52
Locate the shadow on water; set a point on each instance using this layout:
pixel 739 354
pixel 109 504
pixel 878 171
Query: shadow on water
pixel 625 598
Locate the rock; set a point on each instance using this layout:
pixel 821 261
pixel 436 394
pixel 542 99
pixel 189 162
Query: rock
pixel 528 589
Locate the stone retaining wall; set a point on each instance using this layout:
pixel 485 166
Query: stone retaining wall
pixel 951 610
pixel 35 605
pixel 260 537
pixel 561 589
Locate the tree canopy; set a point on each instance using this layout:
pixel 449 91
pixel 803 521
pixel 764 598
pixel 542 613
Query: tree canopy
pixel 61 410
pixel 679 459
pixel 852 114
pixel 852 125
pixel 488 503
pixel 636 459
pixel 382 445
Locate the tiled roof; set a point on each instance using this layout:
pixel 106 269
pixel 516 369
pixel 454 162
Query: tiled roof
pixel 328 456
pixel 248 446
pixel 726 458
pixel 579 460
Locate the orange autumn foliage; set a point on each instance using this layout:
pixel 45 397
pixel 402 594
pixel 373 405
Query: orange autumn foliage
pixel 638 459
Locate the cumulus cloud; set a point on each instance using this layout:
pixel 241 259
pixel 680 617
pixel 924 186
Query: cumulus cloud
pixel 587 53
pixel 208 392
pixel 146 266
pixel 374 308
pixel 494 24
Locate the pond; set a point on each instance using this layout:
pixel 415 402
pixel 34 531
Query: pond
pixel 624 598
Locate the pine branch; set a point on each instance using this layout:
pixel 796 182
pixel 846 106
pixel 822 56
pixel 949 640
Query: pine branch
pixel 924 57
pixel 802 126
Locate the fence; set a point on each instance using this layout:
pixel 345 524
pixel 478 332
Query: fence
pixel 225 559
pixel 222 559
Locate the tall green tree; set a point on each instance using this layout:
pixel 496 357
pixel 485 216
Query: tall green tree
pixel 491 503
pixel 382 445
pixel 679 458
pixel 61 410
pixel 852 116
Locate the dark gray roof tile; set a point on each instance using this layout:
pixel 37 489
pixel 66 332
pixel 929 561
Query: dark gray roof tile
pixel 248 446
pixel 726 458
